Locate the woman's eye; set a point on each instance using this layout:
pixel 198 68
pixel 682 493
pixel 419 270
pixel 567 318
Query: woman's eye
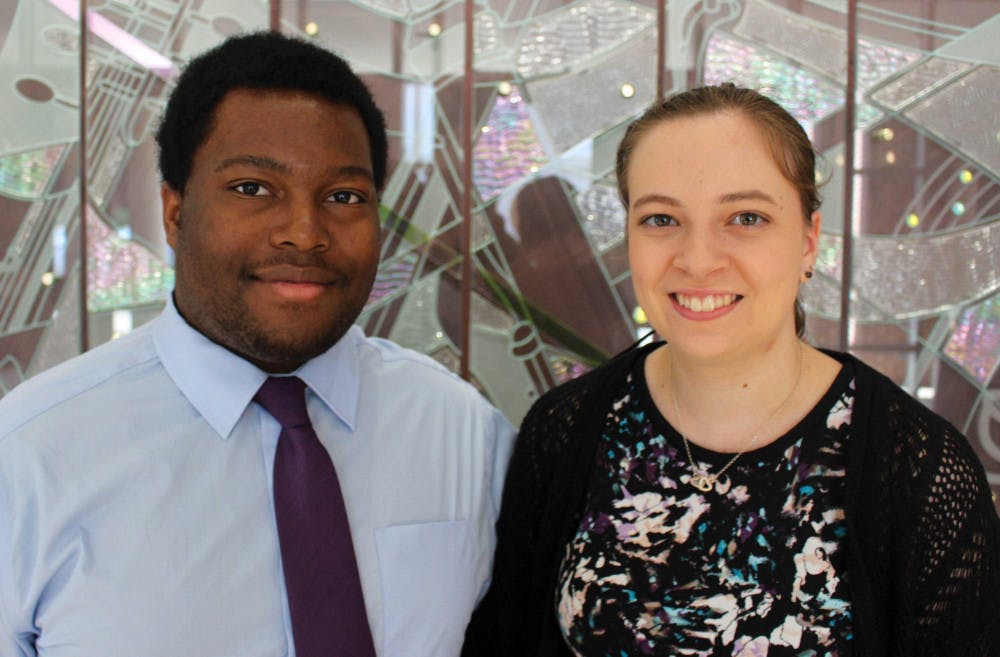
pixel 659 220
pixel 346 197
pixel 748 219
pixel 251 189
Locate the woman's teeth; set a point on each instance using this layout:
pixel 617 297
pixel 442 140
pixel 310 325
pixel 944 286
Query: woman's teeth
pixel 705 304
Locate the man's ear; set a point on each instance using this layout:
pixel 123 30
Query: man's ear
pixel 171 200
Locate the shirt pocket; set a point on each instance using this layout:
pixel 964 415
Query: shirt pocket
pixel 430 580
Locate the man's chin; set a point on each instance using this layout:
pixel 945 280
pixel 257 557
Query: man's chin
pixel 287 354
pixel 275 342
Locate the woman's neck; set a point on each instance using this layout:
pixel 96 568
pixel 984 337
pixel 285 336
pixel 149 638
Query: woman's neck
pixel 723 403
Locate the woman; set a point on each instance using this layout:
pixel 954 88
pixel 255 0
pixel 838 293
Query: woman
pixel 734 491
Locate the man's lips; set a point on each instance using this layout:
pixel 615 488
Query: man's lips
pixel 295 283
pixel 293 274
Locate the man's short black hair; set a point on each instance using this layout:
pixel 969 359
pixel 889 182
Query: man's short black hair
pixel 266 61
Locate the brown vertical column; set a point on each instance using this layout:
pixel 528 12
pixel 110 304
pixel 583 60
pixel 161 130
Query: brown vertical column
pixel 847 254
pixel 274 22
pixel 84 315
pixel 661 47
pixel 468 109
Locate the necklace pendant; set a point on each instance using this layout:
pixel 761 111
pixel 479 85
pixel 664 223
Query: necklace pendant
pixel 702 482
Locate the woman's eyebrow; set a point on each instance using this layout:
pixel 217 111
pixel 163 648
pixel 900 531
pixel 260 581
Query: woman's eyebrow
pixel 748 195
pixel 731 197
pixel 656 198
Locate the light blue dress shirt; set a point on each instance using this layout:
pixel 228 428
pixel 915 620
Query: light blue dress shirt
pixel 136 514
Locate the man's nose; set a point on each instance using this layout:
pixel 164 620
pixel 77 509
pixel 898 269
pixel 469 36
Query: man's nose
pixel 302 226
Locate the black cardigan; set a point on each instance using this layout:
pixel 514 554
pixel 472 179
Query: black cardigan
pixel 923 534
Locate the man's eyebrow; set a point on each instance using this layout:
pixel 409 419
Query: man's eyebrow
pixel 256 161
pixel 351 170
pixel 271 164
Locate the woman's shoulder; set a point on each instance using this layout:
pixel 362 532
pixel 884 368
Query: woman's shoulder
pixel 885 401
pixel 562 411
pixel 908 440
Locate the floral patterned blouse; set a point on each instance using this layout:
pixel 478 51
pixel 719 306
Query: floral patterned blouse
pixel 754 567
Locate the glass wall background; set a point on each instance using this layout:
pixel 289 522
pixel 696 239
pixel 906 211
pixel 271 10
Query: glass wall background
pixel 503 255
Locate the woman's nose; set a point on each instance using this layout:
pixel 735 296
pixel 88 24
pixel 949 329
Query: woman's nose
pixel 700 252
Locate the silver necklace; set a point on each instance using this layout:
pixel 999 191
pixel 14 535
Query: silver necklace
pixel 700 478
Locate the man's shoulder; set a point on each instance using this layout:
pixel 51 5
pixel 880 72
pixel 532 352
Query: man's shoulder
pixel 407 380
pixel 419 393
pixel 71 381
pixel 405 366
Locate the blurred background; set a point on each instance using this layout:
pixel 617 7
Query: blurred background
pixel 503 255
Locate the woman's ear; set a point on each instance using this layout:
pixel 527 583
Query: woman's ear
pixel 811 245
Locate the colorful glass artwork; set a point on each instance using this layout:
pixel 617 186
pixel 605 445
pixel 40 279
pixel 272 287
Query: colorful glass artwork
pixel 124 42
pixel 394 8
pixel 566 368
pixel 120 272
pixel 393 276
pixel 603 217
pixel 566 120
pixel 956 115
pixel 875 63
pixel 975 343
pixel 508 148
pixel 879 61
pixel 919 81
pixel 907 276
pixel 26 174
pixel 579 33
pixel 487 33
pixel 828 257
pixel 807 97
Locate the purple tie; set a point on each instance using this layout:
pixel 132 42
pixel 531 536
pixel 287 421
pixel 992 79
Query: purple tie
pixel 325 599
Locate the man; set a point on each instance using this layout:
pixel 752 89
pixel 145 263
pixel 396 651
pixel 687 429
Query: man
pixel 155 499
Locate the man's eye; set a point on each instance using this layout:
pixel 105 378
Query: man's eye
pixel 659 220
pixel 251 189
pixel 748 219
pixel 346 197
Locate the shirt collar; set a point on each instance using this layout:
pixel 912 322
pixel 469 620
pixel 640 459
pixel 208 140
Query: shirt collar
pixel 335 376
pixel 220 384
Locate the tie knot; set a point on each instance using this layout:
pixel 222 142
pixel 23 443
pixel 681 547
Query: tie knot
pixel 284 397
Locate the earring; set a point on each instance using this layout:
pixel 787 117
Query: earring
pixel 809 274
